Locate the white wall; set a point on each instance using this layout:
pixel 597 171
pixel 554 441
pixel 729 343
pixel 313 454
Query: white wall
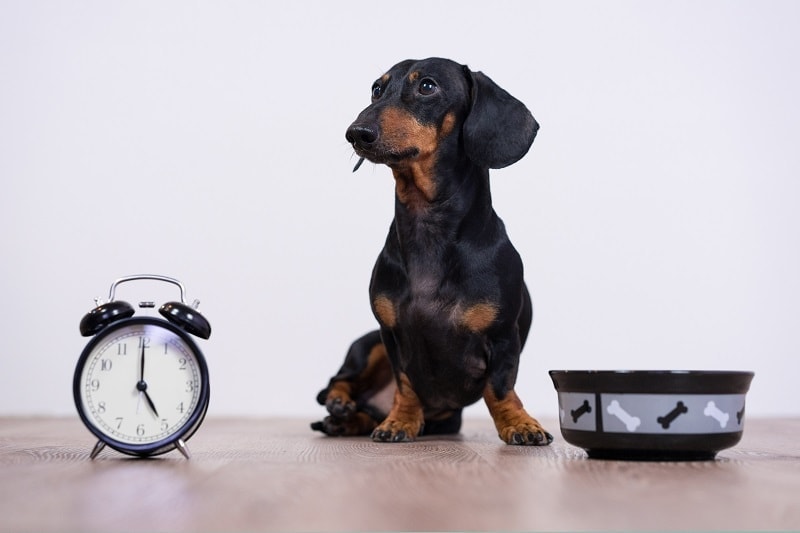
pixel 656 213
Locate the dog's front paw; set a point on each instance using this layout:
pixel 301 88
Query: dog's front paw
pixel 393 430
pixel 514 425
pixel 525 433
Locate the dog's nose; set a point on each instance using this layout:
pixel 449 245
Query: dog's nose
pixel 361 134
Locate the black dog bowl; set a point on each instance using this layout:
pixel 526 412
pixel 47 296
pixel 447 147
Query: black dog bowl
pixel 651 415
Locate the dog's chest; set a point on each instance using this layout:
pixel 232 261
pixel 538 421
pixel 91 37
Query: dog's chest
pixel 432 295
pixel 433 300
pixel 440 325
pixel 429 295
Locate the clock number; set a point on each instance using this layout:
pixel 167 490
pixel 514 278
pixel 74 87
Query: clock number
pixel 105 365
pixel 101 407
pixel 182 363
pixel 180 408
pixel 119 421
pixel 122 349
pixel 140 430
pixel 166 348
pixel 144 342
pixel 164 424
pixel 190 386
pixel 94 385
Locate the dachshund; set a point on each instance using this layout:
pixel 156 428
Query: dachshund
pixel 447 289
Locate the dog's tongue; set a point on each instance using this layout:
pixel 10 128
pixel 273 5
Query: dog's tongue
pixel 360 160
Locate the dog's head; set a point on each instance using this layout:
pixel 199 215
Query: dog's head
pixel 427 111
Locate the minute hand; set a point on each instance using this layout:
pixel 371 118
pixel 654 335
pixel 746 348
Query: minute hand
pixel 141 363
pixel 141 386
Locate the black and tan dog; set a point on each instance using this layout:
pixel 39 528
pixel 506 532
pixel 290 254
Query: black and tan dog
pixel 447 288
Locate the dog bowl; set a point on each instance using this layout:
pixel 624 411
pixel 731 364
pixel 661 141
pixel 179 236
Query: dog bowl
pixel 651 415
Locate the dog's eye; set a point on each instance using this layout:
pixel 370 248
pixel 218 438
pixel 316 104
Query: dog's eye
pixel 377 90
pixel 427 87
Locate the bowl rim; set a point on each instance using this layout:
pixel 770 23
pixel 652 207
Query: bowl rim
pixel 653 381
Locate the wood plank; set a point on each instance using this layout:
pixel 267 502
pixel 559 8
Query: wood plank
pixel 277 475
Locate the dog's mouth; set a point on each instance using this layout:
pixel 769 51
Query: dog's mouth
pixel 389 158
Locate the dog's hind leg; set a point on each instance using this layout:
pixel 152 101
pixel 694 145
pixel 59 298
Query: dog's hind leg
pixel 359 395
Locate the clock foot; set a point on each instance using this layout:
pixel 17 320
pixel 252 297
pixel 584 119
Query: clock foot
pixel 181 446
pixel 97 449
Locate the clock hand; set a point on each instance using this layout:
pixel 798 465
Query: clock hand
pixel 142 385
pixel 142 388
pixel 150 403
pixel 141 363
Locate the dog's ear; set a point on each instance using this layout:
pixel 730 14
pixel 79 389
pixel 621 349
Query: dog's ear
pixel 499 129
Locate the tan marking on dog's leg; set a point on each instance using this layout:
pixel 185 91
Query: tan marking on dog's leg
pixel 406 418
pixel 339 400
pixel 376 377
pixel 343 396
pixel 377 365
pixel 477 318
pixel 514 425
pixel 377 374
pixel 384 308
pixel 341 390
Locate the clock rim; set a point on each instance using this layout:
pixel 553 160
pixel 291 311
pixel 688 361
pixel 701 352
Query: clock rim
pixel 185 431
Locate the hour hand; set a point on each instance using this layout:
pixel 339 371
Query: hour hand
pixel 150 403
pixel 142 388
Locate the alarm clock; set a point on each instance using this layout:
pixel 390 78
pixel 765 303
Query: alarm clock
pixel 141 384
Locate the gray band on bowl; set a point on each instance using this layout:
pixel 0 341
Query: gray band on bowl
pixel 652 413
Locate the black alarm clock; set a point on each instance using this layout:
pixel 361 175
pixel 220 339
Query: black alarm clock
pixel 141 384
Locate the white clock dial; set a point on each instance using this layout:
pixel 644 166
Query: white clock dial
pixel 140 384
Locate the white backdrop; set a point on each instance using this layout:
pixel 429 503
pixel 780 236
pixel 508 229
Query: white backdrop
pixel 656 212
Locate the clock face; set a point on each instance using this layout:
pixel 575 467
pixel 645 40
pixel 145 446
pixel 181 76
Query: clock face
pixel 141 384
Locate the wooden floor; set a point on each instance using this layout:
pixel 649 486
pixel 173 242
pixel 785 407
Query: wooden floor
pixel 277 475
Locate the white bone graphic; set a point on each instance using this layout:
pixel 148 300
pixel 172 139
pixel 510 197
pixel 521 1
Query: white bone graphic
pixel 631 422
pixel 714 412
